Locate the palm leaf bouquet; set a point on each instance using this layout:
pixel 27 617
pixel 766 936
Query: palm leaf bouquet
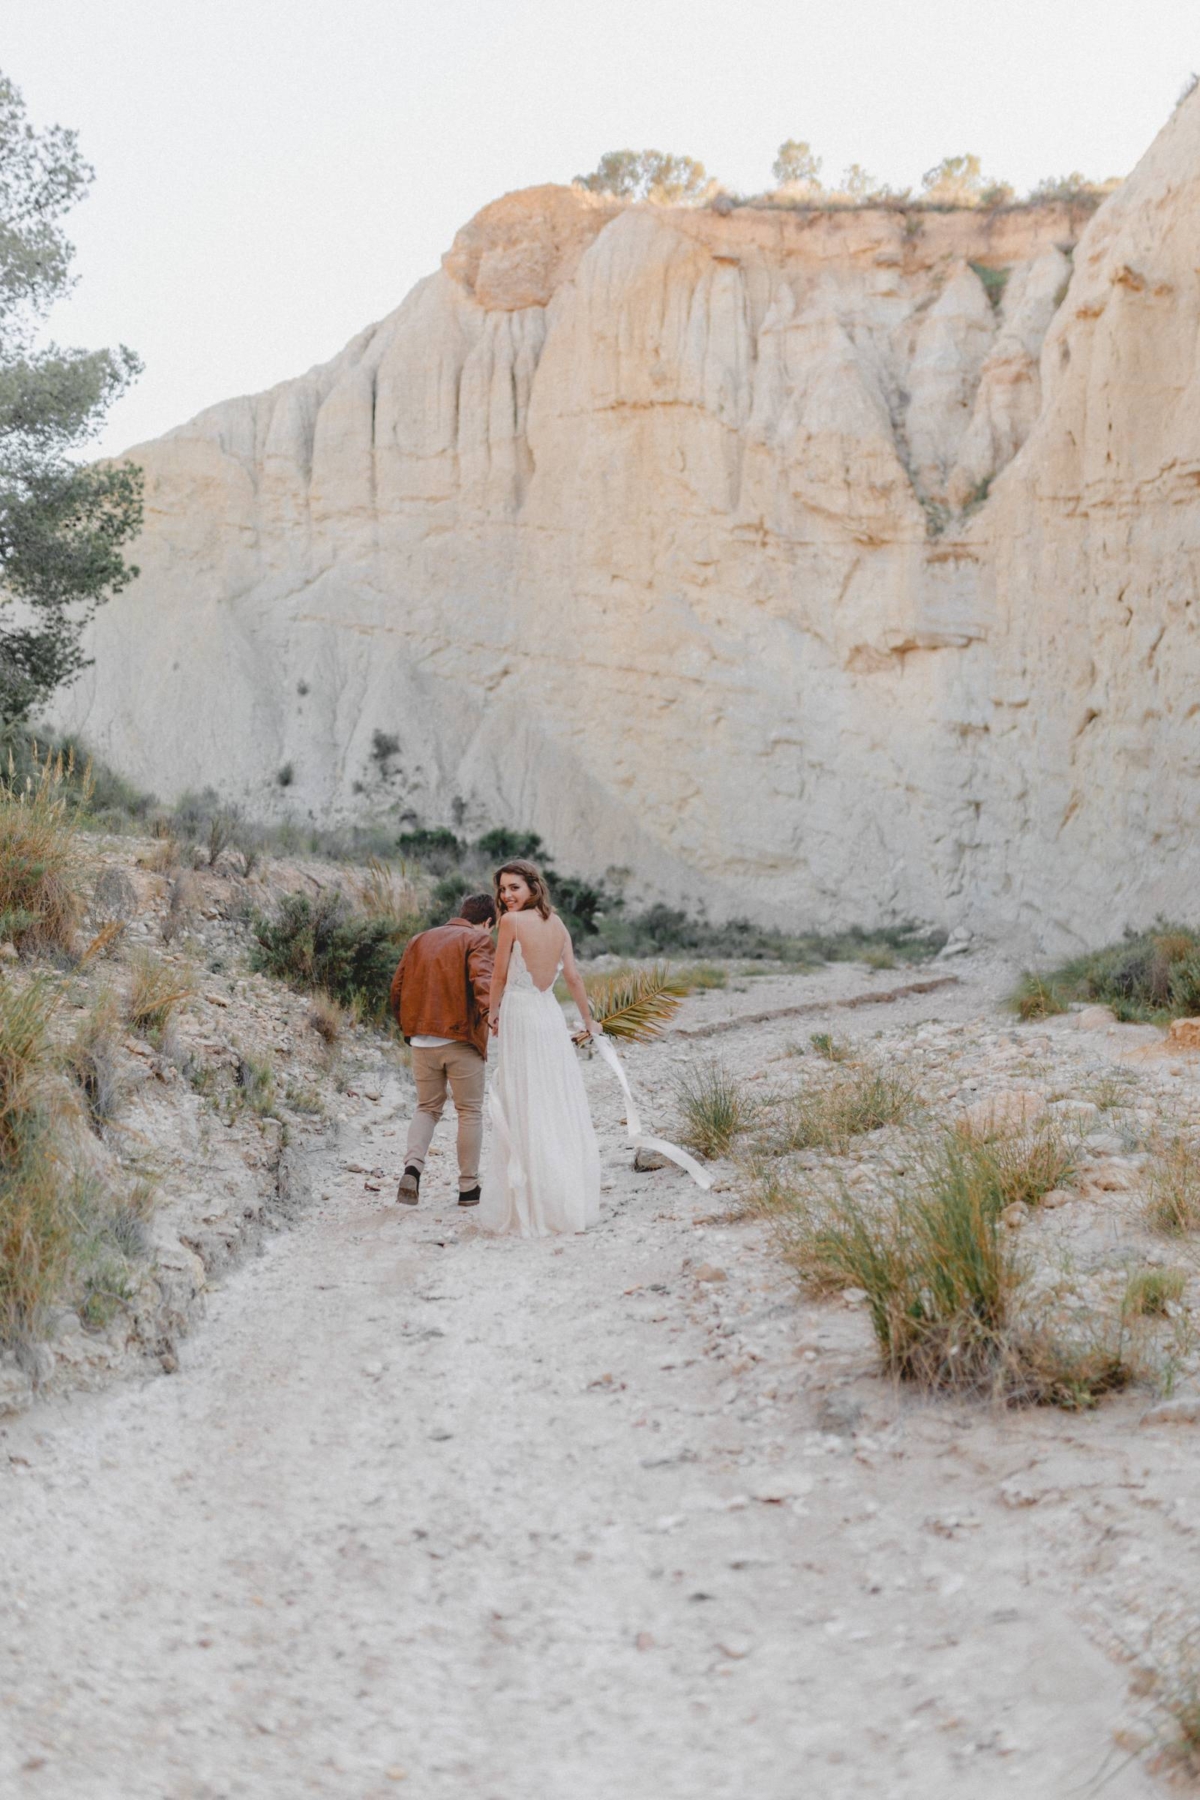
pixel 636 1003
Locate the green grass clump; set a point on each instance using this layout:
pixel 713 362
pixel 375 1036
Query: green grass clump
pixel 324 945
pixel 1151 1292
pixel 255 1079
pixel 944 1282
pixel 714 1108
pixel 1149 976
pixel 833 1049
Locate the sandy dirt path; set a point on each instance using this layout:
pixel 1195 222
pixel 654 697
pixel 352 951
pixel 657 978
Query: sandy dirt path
pixel 422 1513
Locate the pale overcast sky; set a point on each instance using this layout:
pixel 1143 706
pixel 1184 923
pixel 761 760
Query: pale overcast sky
pixel 272 175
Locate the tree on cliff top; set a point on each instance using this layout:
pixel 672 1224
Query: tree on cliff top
pixel 797 166
pixel 62 523
pixel 647 175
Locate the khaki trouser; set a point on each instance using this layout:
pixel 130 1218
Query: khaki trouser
pixel 463 1067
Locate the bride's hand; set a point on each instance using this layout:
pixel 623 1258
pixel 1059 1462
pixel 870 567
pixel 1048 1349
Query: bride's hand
pixel 494 1023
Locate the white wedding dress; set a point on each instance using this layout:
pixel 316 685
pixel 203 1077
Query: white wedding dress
pixel 543 1174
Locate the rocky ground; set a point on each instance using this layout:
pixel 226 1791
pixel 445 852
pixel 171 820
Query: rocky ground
pixel 422 1512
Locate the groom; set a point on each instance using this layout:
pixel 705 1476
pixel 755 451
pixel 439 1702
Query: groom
pixel 440 999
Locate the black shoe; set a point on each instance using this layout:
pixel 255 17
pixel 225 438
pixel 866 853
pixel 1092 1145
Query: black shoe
pixel 469 1197
pixel 410 1186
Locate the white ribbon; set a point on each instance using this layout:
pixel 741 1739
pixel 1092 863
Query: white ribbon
pixel 636 1135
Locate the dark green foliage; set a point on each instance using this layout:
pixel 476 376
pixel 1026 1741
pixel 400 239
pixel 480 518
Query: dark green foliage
pixel 383 747
pixel 425 843
pixel 502 845
pixel 994 282
pixel 323 944
pixel 62 524
pixel 1149 975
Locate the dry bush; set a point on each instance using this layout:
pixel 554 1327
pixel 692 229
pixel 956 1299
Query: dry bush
pixel 327 1017
pixel 181 905
pixel 156 990
pixel 714 1108
pixel 1172 1182
pixel 163 856
pixel 93 1057
pixel 40 906
pixel 828 1117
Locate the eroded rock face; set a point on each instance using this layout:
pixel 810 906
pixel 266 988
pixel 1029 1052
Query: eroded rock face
pixel 822 566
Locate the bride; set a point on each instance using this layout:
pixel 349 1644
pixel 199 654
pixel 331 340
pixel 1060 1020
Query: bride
pixel 544 1171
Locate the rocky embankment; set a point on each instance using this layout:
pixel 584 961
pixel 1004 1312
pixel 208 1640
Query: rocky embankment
pixel 189 1131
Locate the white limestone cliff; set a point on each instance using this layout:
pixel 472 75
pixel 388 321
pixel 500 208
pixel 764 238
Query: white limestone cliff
pixel 760 555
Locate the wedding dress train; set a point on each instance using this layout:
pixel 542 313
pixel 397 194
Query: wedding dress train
pixel 543 1174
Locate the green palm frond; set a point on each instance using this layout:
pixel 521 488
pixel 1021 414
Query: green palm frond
pixel 636 1003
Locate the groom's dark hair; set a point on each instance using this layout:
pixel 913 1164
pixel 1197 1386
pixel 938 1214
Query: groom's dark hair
pixel 478 909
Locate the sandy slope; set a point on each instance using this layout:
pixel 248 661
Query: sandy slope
pixel 423 1513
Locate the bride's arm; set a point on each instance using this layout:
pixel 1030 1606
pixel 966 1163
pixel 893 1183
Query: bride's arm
pixel 504 944
pixel 575 986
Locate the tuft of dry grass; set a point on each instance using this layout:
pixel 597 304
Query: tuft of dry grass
pixel 36 1226
pixel 40 905
pixel 828 1117
pixel 833 1049
pixel 156 990
pixel 1151 1292
pixel 385 893
pixel 1017 1165
pixel 714 1108
pixel 93 1058
pixel 104 942
pixel 702 975
pixel 1172 1182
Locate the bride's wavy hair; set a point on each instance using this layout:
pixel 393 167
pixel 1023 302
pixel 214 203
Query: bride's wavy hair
pixel 534 880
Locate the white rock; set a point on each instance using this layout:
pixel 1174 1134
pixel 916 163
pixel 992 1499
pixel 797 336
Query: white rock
pixel 714 450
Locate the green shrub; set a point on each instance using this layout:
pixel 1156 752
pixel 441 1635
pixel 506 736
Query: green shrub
pixel 1149 975
pixel 323 944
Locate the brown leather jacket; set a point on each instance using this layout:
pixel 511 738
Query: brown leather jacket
pixel 443 983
